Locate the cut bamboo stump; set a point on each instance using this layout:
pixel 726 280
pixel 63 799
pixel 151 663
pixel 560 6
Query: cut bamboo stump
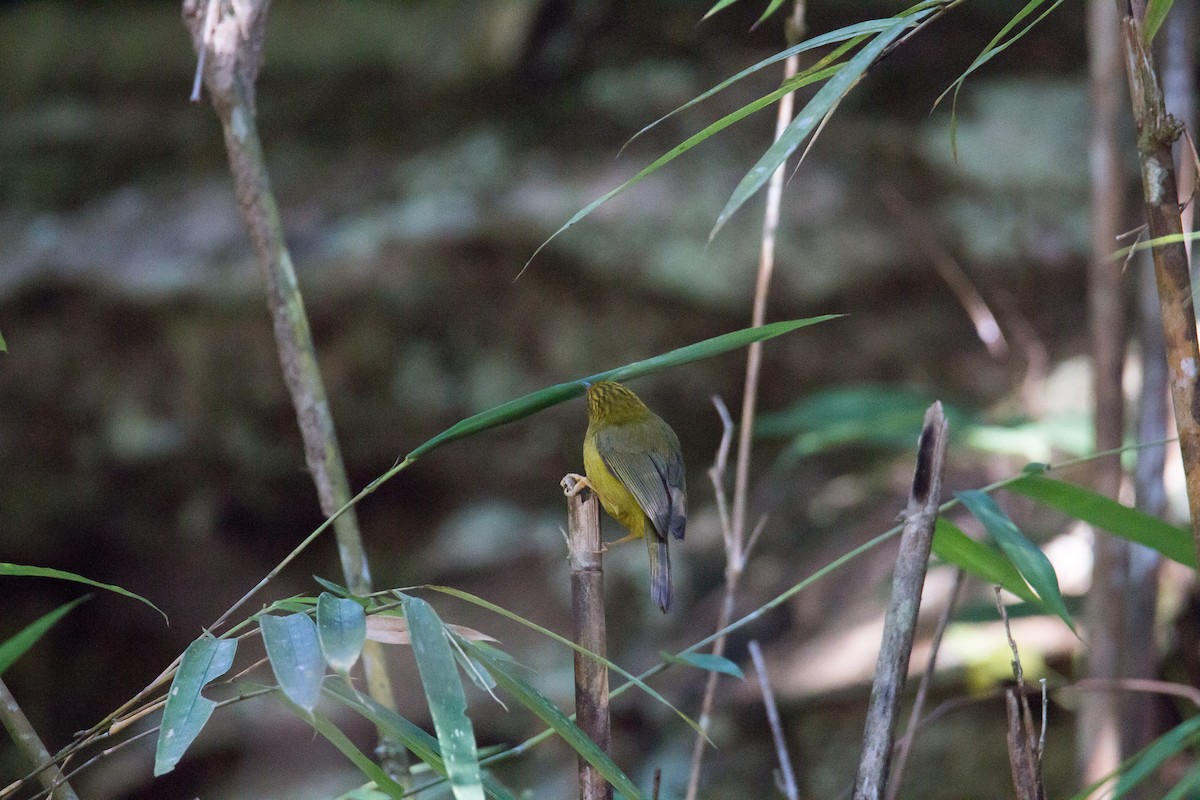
pixel 587 612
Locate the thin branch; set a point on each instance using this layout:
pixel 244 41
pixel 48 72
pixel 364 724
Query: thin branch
pixel 735 549
pixel 790 789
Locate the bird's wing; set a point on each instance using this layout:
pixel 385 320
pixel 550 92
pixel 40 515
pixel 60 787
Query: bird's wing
pixel 645 457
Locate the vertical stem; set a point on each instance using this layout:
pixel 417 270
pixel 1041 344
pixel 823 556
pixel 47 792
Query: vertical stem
pixel 900 619
pixel 735 536
pixel 587 616
pixel 30 744
pixel 230 70
pixel 1156 132
pixel 1099 719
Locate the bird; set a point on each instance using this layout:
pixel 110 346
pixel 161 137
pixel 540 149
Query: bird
pixel 634 464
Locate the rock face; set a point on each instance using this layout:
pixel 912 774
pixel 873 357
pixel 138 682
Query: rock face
pixel 422 152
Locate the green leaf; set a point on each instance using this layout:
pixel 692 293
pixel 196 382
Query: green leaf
pixel 1109 515
pixel 3 344
pixel 705 661
pixel 504 612
pixel 444 693
pixel 550 714
pixel 1032 563
pixel 334 588
pixel 15 647
pixel 809 117
pixel 187 710
pixel 994 48
pixel 1186 788
pixel 322 725
pixel 719 6
pixel 953 546
pixel 1156 12
pixel 545 398
pixel 342 630
pixel 1164 747
pixel 19 571
pixel 418 742
pixel 295 654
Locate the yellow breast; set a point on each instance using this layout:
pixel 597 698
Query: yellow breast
pixel 616 499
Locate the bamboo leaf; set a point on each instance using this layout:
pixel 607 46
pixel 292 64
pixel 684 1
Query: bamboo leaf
pixel 1166 746
pixel 295 654
pixel 341 629
pixel 1032 563
pixel 20 571
pixel 545 398
pixel 705 661
pixel 322 725
pixel 16 646
pixel 811 115
pixel 1156 12
pixel 447 702
pixel 187 710
pixel 953 546
pixel 550 714
pixel 504 612
pixel 1101 512
pixel 418 742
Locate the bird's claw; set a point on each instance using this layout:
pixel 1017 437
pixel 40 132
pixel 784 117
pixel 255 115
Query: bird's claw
pixel 573 484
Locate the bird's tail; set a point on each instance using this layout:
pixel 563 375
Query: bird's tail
pixel 660 568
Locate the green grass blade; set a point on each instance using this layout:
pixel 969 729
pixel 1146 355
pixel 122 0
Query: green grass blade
pixel 953 546
pixel 718 6
pixel 1156 12
pixel 187 710
pixel 16 646
pixel 445 696
pixel 550 714
pixel 20 571
pixel 811 115
pixel 1109 515
pixel 294 651
pixel 342 630
pixel 1025 555
pixel 545 398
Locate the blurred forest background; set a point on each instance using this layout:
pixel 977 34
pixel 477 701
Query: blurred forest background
pixel 421 152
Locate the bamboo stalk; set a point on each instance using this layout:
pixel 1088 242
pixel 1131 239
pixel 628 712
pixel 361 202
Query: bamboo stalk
pixel 900 619
pixel 1156 132
pixel 587 616
pixel 230 39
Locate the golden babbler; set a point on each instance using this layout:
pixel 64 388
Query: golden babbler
pixel 634 465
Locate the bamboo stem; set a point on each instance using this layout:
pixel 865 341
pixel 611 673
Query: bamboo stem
pixel 587 616
pixel 30 744
pixel 900 620
pixel 232 42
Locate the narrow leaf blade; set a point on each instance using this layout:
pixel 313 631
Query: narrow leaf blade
pixel 531 403
pixel 187 710
pixel 705 661
pixel 551 715
pixel 1101 512
pixel 13 648
pixel 953 546
pixel 447 702
pixel 811 115
pixel 21 571
pixel 1025 555
pixel 295 654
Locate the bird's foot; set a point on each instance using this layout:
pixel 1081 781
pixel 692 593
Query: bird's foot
pixel 573 484
pixel 604 548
